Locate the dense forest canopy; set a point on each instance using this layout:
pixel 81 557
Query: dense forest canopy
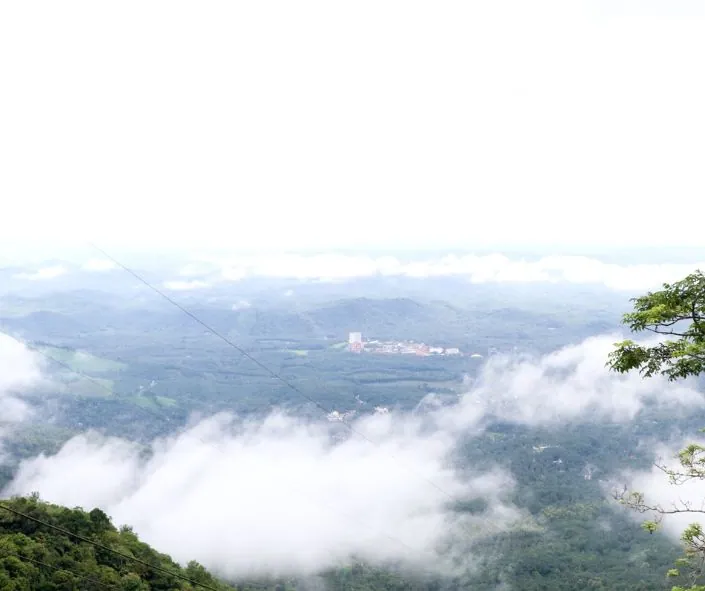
pixel 37 554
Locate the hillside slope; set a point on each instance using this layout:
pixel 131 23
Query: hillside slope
pixel 37 557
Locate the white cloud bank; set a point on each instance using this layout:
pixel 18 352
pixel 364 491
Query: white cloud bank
pixel 186 285
pixel 281 496
pixel 277 496
pixel 20 370
pixel 569 384
pixel 98 265
pixel 204 272
pixel 494 268
pixel 44 273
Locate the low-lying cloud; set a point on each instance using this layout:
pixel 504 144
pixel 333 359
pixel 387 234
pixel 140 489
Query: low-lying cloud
pixel 278 496
pixel 568 384
pixel 44 273
pixel 98 265
pixel 205 272
pixel 494 268
pixel 286 496
pixel 20 372
pixel 180 285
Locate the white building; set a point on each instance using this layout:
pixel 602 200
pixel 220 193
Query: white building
pixel 452 351
pixel 355 344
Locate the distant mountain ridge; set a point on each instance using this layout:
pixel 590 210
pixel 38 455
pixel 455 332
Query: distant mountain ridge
pixel 77 322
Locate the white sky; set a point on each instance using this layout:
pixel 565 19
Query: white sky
pixel 368 123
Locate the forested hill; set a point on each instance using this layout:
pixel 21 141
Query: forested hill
pixel 36 557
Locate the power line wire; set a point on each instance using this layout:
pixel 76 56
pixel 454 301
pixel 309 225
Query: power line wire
pixel 264 367
pixel 281 379
pixel 257 362
pixel 69 368
pixel 97 383
pixel 270 371
pixel 330 507
pixel 246 355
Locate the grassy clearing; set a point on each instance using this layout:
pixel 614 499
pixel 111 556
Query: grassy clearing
pixel 153 402
pixel 82 361
pixel 165 401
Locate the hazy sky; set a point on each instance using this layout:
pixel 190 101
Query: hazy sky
pixel 368 123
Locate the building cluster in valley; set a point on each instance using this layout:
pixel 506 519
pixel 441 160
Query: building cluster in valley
pixel 357 345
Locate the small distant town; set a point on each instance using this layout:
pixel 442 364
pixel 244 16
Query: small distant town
pixel 356 344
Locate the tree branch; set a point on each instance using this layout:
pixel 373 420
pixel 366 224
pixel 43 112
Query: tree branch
pixel 668 332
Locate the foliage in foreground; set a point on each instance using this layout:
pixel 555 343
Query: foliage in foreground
pixel 34 557
pixel 676 313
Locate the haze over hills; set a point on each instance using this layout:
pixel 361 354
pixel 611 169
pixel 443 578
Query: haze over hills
pixel 539 320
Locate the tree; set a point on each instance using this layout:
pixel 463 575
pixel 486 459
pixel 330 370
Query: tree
pixel 676 314
pixel 44 557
